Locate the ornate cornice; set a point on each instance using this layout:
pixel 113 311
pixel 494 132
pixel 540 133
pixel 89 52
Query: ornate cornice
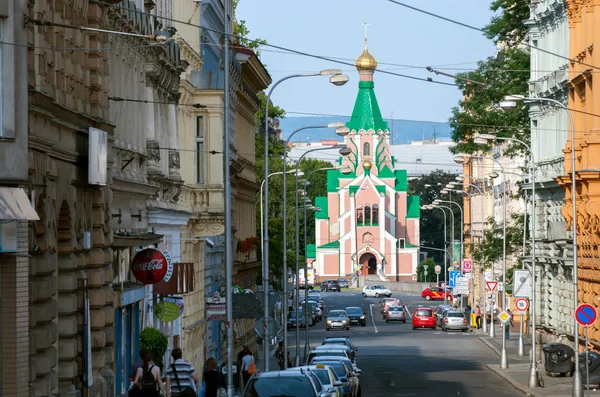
pixel 190 55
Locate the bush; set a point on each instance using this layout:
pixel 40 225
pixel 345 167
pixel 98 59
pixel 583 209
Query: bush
pixel 156 343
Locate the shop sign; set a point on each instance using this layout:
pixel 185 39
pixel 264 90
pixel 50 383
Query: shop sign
pixel 215 305
pixel 167 311
pixel 149 266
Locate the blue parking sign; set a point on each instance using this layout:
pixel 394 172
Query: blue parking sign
pixel 452 276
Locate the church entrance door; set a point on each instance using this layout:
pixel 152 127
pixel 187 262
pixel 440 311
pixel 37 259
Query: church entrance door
pixel 369 263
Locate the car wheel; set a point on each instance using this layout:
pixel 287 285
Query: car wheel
pixel 377 295
pixel 414 328
pixel 348 328
pixel 428 298
pixel 434 327
pixel 387 321
pixel 443 329
pixel 326 329
pixel 363 325
pixel 403 321
pixel 364 295
pixel 464 330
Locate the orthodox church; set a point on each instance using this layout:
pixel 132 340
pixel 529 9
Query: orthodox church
pixel 367 225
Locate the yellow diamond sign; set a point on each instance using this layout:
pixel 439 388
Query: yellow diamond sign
pixel 504 316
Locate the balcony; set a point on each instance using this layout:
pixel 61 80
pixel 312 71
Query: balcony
pixel 181 281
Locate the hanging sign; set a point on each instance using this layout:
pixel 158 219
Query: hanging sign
pixel 149 266
pixel 169 267
pixel 167 311
pixel 467 266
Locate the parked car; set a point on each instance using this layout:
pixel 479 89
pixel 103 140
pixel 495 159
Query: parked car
pixel 349 352
pixel 386 302
pixel 330 285
pixel 292 318
pixel 343 282
pixel 327 377
pixel 376 291
pixel 294 382
pixel 316 296
pixel 337 319
pixel 318 311
pixel 345 372
pixel 356 316
pixel 338 353
pixel 344 340
pixel 454 320
pixel 436 294
pixel 394 313
pixel 423 318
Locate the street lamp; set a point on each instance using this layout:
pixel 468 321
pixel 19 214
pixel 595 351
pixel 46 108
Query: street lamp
pixel 510 102
pixel 345 171
pixel 344 151
pixel 341 130
pixel 483 139
pixel 460 253
pixel 430 207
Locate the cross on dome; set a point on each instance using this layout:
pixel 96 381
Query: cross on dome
pixel 366 63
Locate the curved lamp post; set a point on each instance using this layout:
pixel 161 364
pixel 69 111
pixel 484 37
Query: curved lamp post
pixel 509 102
pixel 431 207
pixel 336 78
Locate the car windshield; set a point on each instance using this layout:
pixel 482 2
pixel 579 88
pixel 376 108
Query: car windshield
pixel 338 368
pixel 354 310
pixel 323 376
pixel 336 353
pixel 395 309
pixel 424 312
pixel 451 314
pixel 337 313
pixel 335 342
pixel 298 386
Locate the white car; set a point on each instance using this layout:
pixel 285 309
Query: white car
pixel 376 291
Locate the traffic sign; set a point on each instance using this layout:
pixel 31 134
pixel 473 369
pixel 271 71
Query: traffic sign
pixel 467 266
pixel 443 285
pixel 462 286
pixel 452 276
pixel 438 269
pixel 586 314
pixel 522 304
pixel 491 285
pixel 504 317
pixel 521 284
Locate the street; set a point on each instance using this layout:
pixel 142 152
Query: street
pixel 397 361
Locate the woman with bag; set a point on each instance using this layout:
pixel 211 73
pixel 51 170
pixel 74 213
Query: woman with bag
pixel 248 367
pixel 214 381
pixel 147 379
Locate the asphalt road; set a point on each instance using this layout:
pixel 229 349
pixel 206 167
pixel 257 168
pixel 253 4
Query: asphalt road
pixel 399 362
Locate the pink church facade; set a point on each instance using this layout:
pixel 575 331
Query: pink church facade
pixel 367 224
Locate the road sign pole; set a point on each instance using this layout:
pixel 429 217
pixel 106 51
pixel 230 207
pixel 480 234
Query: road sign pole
pixel 587 362
pixel 437 282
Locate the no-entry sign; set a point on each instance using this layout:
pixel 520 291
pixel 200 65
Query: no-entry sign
pixel 586 314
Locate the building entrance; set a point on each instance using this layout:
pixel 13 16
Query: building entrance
pixel 369 263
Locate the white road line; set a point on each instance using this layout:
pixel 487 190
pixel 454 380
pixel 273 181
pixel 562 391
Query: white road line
pixel 373 318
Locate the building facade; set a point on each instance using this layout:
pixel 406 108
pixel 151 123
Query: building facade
pixel 584 97
pixel 367 224
pixel 549 30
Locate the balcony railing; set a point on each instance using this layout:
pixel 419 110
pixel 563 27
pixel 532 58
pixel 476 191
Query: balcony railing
pixel 181 281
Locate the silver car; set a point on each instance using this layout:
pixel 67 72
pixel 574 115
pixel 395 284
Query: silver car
pixel 337 319
pixel 454 320
pixel 394 313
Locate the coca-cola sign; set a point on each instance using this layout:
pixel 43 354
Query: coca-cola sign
pixel 149 266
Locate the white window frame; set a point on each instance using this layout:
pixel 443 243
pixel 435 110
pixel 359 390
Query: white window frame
pixel 200 146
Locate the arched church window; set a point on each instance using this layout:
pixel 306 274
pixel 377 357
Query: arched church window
pixel 367 215
pixel 375 212
pixel 367 238
pixel 366 149
pixel 359 215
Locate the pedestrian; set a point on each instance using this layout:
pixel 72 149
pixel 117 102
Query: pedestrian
pixel 181 377
pixel 508 325
pixel 213 379
pixel 147 381
pixel 133 369
pixel 477 317
pixel 248 368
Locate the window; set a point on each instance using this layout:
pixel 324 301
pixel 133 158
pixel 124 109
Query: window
pixel 367 215
pixel 366 149
pixel 359 215
pixel 375 211
pixel 367 238
pixel 200 151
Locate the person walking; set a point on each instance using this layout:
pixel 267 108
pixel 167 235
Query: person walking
pixel 477 317
pixel 508 325
pixel 147 381
pixel 248 368
pixel 181 377
pixel 213 379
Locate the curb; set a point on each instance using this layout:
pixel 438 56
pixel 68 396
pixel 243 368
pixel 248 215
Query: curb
pixel 490 345
pixel 528 392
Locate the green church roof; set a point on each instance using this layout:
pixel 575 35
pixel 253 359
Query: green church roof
pixel 333 244
pixel 311 251
pixel 413 204
pixel 366 114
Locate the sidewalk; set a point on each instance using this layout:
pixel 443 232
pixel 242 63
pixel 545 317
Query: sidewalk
pixel 517 373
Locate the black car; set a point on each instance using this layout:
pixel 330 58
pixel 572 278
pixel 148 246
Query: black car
pixel 330 285
pixel 356 316
pixel 343 282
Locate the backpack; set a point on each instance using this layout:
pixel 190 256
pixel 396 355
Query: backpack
pixel 148 382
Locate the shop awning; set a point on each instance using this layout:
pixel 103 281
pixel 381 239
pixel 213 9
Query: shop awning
pixel 15 205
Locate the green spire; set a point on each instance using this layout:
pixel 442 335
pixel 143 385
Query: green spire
pixel 366 114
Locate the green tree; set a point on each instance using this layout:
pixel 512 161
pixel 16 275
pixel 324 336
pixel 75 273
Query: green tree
pixel 507 27
pixel 156 343
pixel 242 33
pixel 428 264
pixel 431 222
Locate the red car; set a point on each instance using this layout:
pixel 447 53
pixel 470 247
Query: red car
pixel 436 294
pixel 423 318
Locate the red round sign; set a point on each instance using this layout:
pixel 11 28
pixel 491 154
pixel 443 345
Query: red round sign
pixel 149 266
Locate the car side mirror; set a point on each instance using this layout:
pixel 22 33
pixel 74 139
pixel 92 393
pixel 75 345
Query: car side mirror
pixel 358 371
pixel 337 383
pixel 344 379
pixel 324 394
pixel 355 349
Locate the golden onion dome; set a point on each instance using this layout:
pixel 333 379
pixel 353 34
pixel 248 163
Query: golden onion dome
pixel 367 164
pixel 366 63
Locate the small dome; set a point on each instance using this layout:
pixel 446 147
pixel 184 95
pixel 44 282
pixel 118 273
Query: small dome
pixel 366 63
pixel 367 164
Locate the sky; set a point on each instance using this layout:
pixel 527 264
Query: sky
pixel 396 35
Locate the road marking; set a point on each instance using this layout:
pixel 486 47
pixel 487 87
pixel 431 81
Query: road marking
pixel 372 317
pixel 408 311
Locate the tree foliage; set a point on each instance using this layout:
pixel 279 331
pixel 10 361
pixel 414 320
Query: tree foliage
pixel 242 33
pixel 432 221
pixel 156 343
pixel 507 26
pixel 428 264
